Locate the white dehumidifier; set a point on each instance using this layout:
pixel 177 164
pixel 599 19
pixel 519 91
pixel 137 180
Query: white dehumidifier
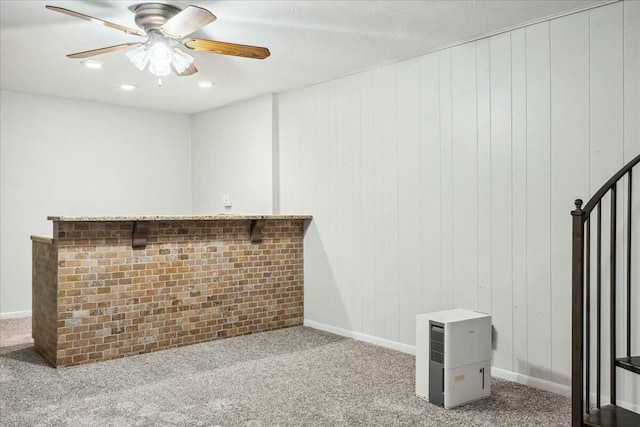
pixel 453 357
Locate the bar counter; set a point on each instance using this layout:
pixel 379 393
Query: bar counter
pixel 114 286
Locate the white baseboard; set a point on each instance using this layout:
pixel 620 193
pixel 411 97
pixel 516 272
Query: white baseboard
pixel 361 337
pixel 633 407
pixel 15 314
pixel 626 405
pixel 552 387
pixel 538 383
pixel 534 382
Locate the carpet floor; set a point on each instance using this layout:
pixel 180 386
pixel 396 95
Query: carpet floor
pixel 291 377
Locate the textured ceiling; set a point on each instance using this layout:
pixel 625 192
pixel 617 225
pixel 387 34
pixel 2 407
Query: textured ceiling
pixel 310 42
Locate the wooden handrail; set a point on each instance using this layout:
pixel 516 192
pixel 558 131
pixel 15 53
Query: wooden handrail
pixel 608 185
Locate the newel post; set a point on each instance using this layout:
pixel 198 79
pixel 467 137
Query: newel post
pixel 577 314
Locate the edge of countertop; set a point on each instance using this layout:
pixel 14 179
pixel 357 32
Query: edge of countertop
pixel 43 239
pixel 174 218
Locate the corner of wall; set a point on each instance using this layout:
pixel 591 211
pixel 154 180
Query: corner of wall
pixel 190 165
pixel 275 157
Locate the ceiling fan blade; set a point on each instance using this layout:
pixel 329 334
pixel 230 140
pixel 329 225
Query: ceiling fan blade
pixel 94 52
pixel 96 20
pixel 191 69
pixel 224 48
pixel 188 20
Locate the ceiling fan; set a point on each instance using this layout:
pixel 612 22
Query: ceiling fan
pixel 166 28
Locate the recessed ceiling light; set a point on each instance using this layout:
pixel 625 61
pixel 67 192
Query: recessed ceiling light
pixel 128 87
pixel 205 84
pixel 94 65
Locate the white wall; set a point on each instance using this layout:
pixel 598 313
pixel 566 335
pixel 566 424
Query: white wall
pixel 62 157
pixel 442 181
pixel 232 154
pixel 447 181
pixel 631 135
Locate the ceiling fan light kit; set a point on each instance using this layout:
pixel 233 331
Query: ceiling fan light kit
pixel 164 26
pixel 160 55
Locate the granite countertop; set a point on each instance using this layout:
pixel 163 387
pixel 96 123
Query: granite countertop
pixel 172 218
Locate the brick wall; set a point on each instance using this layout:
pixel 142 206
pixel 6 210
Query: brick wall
pixel 44 299
pixel 195 281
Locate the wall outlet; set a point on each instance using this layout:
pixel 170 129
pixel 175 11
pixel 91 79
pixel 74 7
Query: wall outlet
pixel 226 201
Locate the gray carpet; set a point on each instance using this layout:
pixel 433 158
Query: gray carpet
pixel 291 377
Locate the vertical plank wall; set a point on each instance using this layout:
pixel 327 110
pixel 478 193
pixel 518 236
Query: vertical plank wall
pixel 569 59
pixel 446 181
pixel 631 107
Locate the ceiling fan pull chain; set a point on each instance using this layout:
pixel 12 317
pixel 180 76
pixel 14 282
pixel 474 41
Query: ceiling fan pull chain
pixel 159 81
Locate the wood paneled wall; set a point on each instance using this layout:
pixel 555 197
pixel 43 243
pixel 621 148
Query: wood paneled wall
pixel 447 180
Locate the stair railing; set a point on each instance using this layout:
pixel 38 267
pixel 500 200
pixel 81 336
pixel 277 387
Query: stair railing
pixel 581 294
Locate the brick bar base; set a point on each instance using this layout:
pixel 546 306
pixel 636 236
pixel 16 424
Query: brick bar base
pixel 95 298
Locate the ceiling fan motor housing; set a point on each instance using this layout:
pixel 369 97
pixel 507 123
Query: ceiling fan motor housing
pixel 150 16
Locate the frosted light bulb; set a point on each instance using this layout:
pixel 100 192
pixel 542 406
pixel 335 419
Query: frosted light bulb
pixel 159 54
pixel 139 56
pixel 181 60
